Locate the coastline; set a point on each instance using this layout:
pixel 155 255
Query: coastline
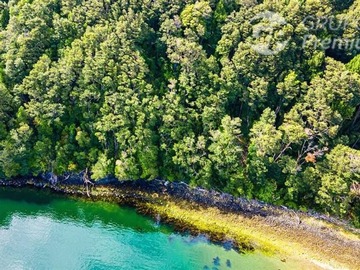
pixel 314 241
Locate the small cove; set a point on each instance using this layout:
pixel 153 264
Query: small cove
pixel 42 230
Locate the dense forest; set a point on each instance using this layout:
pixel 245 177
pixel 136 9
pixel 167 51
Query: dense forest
pixel 256 98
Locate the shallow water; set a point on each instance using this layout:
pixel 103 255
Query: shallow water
pixel 39 230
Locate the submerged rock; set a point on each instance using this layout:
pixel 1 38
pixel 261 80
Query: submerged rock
pixel 216 261
pixel 228 245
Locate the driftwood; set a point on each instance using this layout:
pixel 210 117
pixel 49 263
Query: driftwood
pixel 87 182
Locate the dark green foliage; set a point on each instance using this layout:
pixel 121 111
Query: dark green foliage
pixel 177 90
pixel 4 15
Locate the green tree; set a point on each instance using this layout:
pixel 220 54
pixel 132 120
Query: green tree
pixel 228 157
pixel 338 172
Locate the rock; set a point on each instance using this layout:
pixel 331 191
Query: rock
pixel 216 261
pixel 228 245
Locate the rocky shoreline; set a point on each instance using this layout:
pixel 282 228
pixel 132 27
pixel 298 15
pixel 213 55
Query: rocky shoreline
pixel 247 224
pixel 127 191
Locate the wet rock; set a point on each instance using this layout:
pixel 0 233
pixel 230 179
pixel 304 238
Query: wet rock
pixel 107 181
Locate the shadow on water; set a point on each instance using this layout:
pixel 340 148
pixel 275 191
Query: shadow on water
pixel 27 195
pixel 32 203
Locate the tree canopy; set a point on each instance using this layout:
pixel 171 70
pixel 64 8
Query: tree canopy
pixel 256 98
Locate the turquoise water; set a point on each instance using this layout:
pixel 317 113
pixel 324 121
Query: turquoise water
pixel 39 230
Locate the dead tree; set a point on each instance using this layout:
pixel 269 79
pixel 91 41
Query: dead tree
pixel 87 182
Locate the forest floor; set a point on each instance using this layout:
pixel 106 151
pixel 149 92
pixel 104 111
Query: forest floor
pixel 309 240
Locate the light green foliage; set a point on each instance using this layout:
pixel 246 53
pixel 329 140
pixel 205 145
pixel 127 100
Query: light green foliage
pixel 29 35
pixel 102 167
pixel 290 88
pixel 265 138
pixel 354 64
pixel 227 156
pixel 192 157
pixel 177 90
pixel 194 17
pixel 338 172
pixel 264 150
